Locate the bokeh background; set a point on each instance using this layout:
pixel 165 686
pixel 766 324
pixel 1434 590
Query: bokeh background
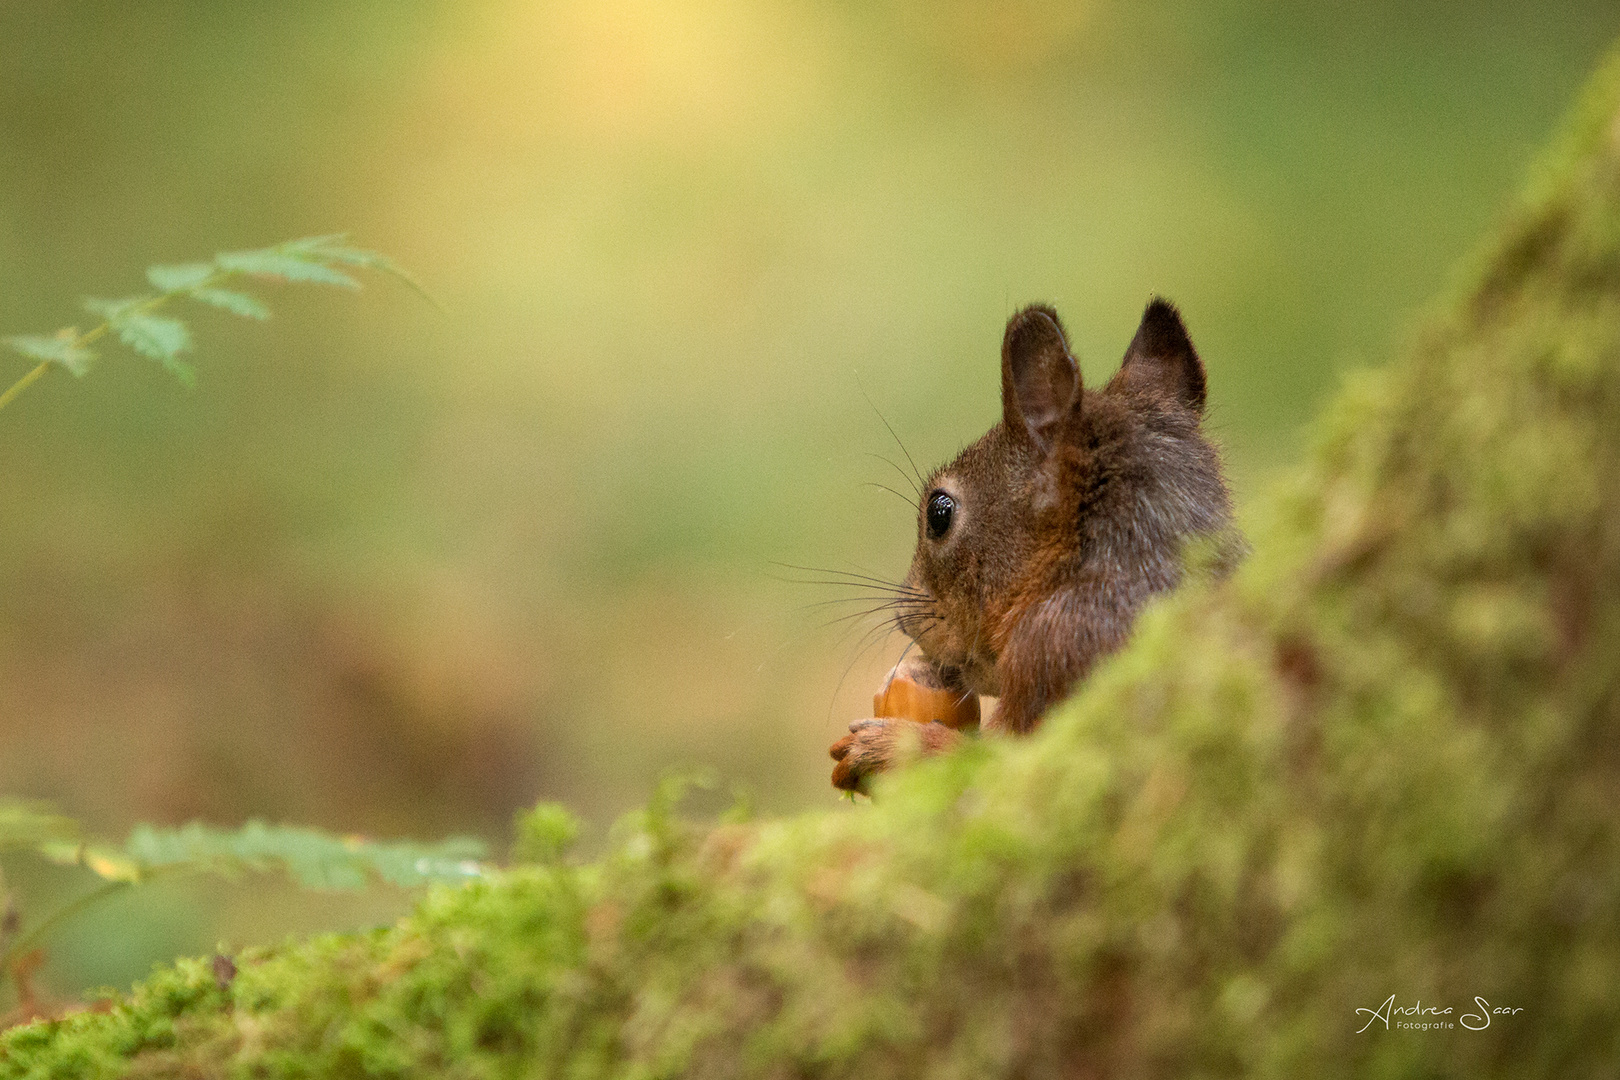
pixel 401 572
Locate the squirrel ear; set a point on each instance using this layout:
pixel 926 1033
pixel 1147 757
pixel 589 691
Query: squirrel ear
pixel 1161 360
pixel 1040 382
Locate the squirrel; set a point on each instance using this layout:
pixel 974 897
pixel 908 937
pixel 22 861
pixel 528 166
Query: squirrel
pixel 1039 544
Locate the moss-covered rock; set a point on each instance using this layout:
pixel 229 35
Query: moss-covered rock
pixel 1383 759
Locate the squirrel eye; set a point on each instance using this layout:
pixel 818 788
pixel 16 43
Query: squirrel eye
pixel 941 508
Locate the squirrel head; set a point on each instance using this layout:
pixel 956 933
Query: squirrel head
pixel 1078 498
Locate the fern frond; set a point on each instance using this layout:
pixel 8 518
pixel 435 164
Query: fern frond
pixel 311 858
pixel 312 259
pixel 314 859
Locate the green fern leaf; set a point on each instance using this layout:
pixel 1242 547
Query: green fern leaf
pixel 183 278
pixel 237 303
pixel 181 370
pixel 279 263
pixel 312 858
pixel 157 336
pixel 61 348
pixel 334 248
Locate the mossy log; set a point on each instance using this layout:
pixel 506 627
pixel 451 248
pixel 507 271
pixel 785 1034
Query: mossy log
pixel 1381 759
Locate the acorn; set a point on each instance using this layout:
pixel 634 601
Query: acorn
pixel 913 691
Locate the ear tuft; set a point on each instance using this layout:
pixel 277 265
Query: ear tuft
pixel 1040 382
pixel 1161 359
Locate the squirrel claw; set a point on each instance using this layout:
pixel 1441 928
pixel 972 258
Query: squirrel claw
pixel 874 745
pixel 847 778
pixel 867 749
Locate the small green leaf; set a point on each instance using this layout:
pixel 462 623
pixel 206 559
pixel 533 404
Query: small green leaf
pixel 114 310
pixel 270 262
pixel 237 303
pixel 59 348
pixel 333 249
pixel 157 336
pixel 173 279
pixel 181 371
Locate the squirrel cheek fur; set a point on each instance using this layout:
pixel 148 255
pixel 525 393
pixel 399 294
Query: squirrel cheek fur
pixel 1065 519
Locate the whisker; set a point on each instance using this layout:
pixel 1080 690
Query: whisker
pixel 872 637
pixel 896 602
pixel 873 605
pixel 871 591
pixel 885 586
pixel 851 616
pixel 891 491
pixel 895 437
pixel 898 469
pixel 842 573
pixel 905 652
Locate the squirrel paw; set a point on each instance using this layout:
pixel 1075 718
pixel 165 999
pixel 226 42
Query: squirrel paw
pixel 875 745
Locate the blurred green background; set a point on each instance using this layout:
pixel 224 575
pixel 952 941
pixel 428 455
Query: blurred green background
pixel 400 572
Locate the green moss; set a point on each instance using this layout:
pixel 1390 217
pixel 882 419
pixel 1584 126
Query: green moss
pixel 1382 759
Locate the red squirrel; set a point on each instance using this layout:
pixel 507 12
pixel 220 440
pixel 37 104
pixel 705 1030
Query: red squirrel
pixel 1040 543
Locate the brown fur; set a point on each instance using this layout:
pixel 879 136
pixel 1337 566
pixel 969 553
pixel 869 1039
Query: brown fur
pixel 1070 514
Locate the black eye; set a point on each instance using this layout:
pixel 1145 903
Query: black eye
pixel 941 508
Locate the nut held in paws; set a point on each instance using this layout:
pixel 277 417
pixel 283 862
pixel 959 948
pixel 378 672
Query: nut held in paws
pixel 909 693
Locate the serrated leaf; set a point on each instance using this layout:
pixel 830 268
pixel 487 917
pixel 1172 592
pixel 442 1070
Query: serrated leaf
pixel 61 348
pixel 372 260
pixel 237 303
pixel 181 371
pixel 157 336
pixel 334 248
pixel 180 278
pixel 271 262
pixel 312 858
